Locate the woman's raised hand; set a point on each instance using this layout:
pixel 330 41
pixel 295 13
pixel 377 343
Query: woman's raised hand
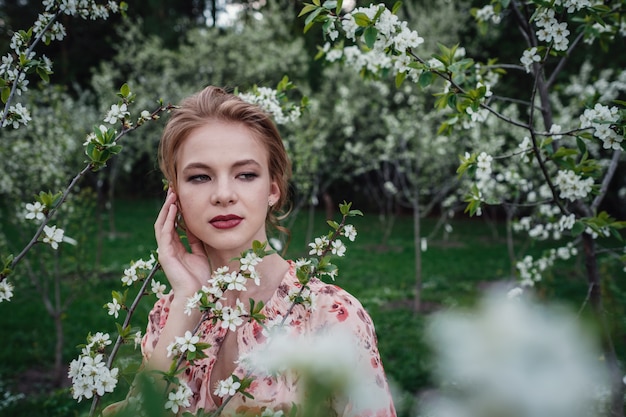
pixel 186 271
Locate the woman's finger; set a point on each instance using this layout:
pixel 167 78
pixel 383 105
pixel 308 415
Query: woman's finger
pixel 160 220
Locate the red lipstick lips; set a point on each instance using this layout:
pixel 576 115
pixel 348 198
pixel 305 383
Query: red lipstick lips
pixel 225 222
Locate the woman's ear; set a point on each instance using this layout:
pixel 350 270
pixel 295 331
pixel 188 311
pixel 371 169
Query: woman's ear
pixel 274 195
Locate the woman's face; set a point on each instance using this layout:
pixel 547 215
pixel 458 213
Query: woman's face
pixel 224 187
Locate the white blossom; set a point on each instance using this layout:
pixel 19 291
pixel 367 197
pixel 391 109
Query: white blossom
pixel 6 291
pixel 529 57
pixel 158 289
pixel 180 398
pixel 114 308
pixel 226 387
pixel 193 303
pixel 187 342
pixel 116 112
pixel 349 231
pixel 35 211
pixel 338 248
pixel 249 261
pixel 318 246
pixel 53 236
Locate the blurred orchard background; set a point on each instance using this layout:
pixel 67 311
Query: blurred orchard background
pixel 455 203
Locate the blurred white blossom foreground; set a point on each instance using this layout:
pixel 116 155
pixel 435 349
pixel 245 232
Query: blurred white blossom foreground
pixel 329 362
pixel 513 357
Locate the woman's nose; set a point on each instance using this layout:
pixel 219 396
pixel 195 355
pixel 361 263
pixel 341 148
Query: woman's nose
pixel 223 193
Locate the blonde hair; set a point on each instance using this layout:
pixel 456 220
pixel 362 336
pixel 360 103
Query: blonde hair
pixel 213 104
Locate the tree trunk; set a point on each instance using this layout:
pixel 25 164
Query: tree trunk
pixel 309 229
pixel 417 237
pixel 329 205
pixel 57 317
pixel 595 299
pixel 59 369
pixel 510 244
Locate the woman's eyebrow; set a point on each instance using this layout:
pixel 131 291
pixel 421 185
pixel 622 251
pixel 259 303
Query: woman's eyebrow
pixel 194 165
pixel 237 164
pixel 244 162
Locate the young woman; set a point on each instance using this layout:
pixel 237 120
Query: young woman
pixel 228 173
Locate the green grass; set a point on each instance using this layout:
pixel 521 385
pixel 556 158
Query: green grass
pixel 455 271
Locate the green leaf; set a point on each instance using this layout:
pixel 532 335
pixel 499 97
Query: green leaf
pixel 563 152
pixel 333 224
pixel 344 208
pixel 581 145
pixel 339 7
pixel 396 7
pixel 6 92
pixel 310 19
pixel 43 74
pixel 370 35
pixel 330 4
pixel 452 100
pixel 426 79
pixel 125 90
pixel 578 228
pixel 6 269
pixel 400 77
pixel 308 8
pixel 361 19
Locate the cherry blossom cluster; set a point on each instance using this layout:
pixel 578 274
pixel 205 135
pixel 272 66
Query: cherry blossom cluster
pixel 551 229
pixel 573 5
pixel 22 57
pixel 530 270
pixel 17 114
pixel 179 398
pixel 601 118
pixel 89 373
pixel 117 112
pixel 572 185
pixel 391 49
pixel 487 13
pixel 530 57
pixel 268 99
pixel 136 270
pixel 483 167
pixel 223 280
pixel 551 30
pixel 302 295
pixel 86 9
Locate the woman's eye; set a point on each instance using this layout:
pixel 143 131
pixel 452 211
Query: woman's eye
pixel 247 176
pixel 198 178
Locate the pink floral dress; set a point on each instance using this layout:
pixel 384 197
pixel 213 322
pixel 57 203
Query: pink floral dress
pixel 334 309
